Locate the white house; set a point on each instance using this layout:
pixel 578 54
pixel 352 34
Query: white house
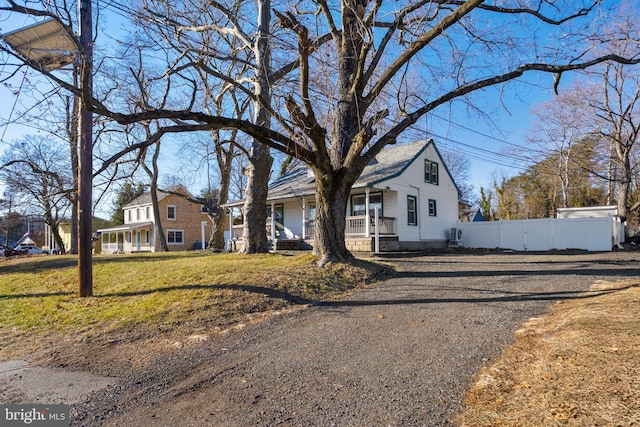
pixel 414 192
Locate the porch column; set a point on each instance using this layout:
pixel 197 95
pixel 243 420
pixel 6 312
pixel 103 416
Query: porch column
pixel 273 224
pixel 47 237
pixel 304 219
pixel 154 237
pixel 230 216
pixel 367 222
pixel 202 225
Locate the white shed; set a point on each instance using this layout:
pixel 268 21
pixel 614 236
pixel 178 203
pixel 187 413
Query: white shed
pixel 587 212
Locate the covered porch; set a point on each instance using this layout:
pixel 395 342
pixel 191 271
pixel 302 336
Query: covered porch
pixel 293 219
pixel 128 238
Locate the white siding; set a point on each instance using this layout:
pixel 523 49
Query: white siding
pixel 293 219
pixel 411 183
pixel 390 204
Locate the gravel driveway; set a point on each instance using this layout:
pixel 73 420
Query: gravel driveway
pixel 400 353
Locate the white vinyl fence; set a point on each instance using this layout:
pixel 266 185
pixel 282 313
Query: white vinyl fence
pixel 591 234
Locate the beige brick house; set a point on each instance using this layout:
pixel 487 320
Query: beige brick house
pixel 184 225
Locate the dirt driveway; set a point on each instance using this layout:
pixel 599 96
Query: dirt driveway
pixel 400 353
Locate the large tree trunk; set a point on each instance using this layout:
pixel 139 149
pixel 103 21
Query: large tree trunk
pixel 334 186
pixel 332 195
pixel 625 187
pixel 218 221
pixel 153 188
pixel 254 234
pixel 216 240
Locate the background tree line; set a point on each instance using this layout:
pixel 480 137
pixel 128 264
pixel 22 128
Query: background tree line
pixel 582 150
pixel 328 83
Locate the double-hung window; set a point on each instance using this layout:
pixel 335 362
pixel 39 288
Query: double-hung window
pixel 171 212
pixel 412 210
pixel 175 237
pixel 431 172
pixel 433 209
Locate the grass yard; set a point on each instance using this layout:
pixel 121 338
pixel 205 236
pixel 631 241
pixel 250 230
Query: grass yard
pixel 163 290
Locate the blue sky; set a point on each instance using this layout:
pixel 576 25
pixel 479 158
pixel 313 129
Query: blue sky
pixel 489 149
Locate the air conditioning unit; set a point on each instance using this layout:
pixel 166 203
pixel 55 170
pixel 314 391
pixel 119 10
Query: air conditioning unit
pixel 455 237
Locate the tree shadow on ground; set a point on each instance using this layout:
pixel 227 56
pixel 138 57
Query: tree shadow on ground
pixel 269 292
pixel 511 297
pixel 596 270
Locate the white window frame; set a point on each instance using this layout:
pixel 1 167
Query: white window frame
pixel 176 233
pixel 175 212
pixel 431 172
pixel 414 211
pixel 433 207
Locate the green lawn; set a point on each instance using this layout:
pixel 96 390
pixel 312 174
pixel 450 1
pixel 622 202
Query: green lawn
pixel 164 290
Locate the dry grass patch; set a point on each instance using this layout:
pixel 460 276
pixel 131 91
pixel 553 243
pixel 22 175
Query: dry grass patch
pixel 579 365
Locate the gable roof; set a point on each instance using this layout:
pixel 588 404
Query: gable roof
pixel 391 162
pixel 145 198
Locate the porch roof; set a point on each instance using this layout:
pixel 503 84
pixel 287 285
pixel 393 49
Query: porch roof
pixel 389 163
pixel 126 227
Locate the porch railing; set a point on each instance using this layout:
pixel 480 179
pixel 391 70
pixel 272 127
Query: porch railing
pixel 237 230
pixel 112 248
pixel 140 247
pixel 357 225
pixel 309 228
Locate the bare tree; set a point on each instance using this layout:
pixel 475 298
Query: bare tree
pixel 561 123
pixel 605 107
pixel 617 108
pixel 36 169
pixel 458 166
pixel 460 48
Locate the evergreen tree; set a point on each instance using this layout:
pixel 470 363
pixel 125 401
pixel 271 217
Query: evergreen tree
pixel 127 193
